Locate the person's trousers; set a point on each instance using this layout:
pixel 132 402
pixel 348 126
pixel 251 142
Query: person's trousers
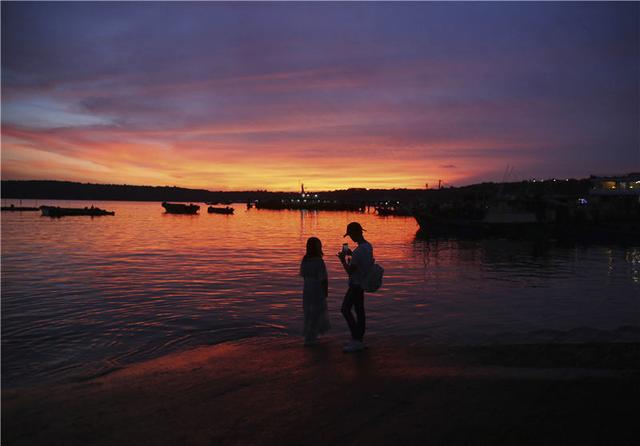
pixel 354 299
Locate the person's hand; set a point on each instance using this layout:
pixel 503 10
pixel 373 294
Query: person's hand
pixel 343 254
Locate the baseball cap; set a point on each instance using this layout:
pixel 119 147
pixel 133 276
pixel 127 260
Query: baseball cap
pixel 354 226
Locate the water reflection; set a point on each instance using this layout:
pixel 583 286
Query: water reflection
pixel 80 296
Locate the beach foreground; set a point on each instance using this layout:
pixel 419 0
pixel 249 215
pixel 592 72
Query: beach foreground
pixel 274 391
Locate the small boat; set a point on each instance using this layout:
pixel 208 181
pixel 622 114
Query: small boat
pixel 18 208
pixel 385 211
pixel 224 210
pixel 180 208
pixel 55 211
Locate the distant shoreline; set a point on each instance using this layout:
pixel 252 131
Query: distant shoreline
pixel 66 190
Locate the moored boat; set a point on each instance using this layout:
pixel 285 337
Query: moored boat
pixel 55 211
pixel 386 211
pixel 225 210
pixel 180 208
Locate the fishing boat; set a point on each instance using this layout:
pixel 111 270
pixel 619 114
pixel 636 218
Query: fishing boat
pixel 55 211
pixel 180 208
pixel 225 210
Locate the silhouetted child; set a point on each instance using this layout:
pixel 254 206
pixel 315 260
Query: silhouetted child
pixel 316 289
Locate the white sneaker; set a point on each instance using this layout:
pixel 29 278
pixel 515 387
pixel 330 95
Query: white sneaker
pixel 353 346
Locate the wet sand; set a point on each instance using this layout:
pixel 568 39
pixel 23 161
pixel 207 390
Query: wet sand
pixel 274 391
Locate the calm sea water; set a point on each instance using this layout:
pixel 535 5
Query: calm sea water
pixel 82 296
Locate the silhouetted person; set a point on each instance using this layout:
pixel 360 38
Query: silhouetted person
pixel 315 291
pixel 357 268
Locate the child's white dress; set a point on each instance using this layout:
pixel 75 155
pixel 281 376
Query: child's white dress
pixel 314 300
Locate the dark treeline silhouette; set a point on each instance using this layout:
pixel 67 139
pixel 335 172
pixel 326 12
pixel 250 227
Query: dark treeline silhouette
pixel 66 190
pixel 471 192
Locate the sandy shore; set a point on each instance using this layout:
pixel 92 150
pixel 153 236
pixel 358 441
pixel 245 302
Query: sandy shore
pixel 274 391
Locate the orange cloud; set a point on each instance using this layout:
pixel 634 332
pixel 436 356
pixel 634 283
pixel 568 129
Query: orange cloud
pixel 227 164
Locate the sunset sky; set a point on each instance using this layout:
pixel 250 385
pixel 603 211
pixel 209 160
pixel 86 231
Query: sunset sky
pixel 264 95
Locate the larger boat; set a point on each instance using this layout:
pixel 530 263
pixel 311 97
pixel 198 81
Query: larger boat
pixel 55 211
pixel 180 208
pixel 498 219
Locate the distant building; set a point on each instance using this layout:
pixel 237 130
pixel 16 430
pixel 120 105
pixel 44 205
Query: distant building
pixel 616 185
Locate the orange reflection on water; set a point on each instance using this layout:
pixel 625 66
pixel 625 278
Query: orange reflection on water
pixel 114 290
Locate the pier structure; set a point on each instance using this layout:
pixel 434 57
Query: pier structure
pixel 312 202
